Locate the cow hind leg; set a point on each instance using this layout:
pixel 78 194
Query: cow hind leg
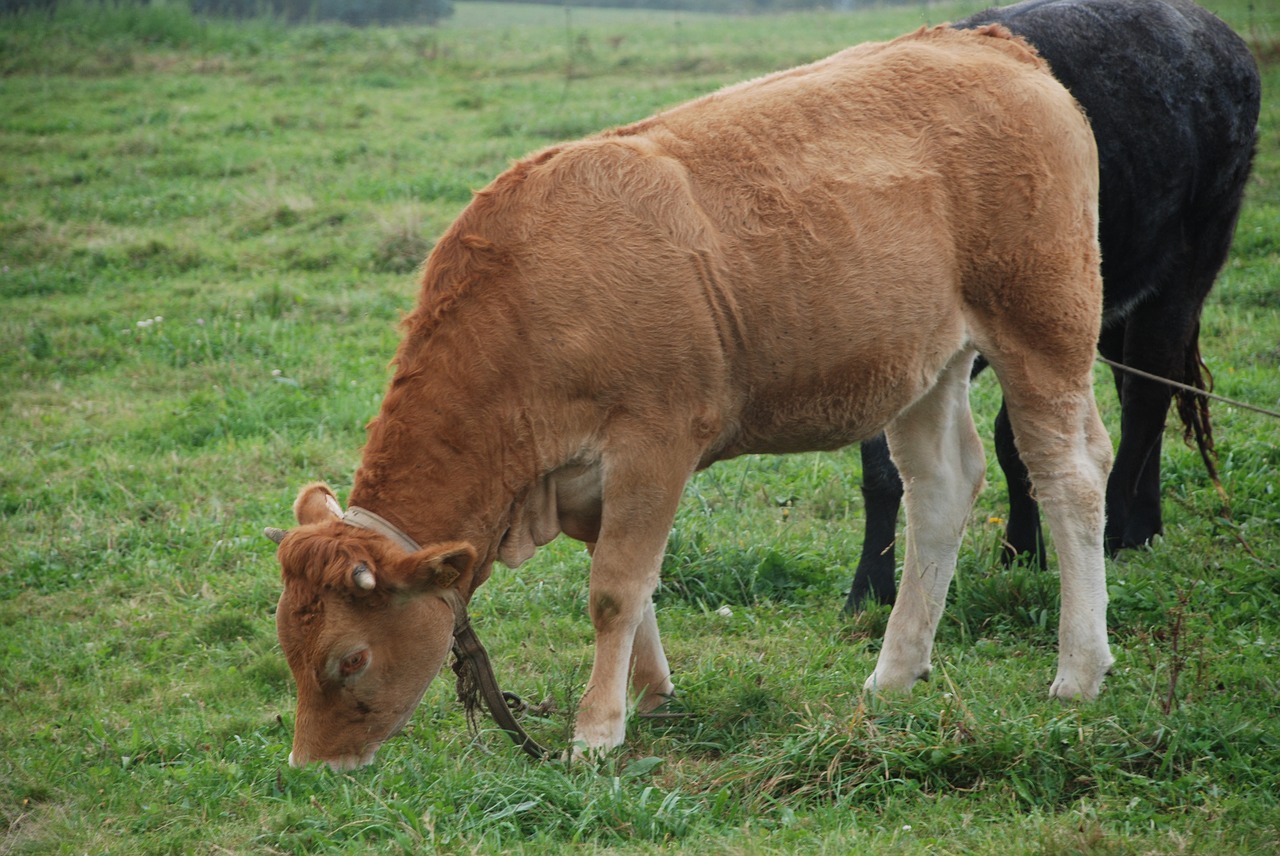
pixel 1067 452
pixel 1023 538
pixel 1154 343
pixel 937 451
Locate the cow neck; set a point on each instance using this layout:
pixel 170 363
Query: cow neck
pixel 445 457
pixel 433 482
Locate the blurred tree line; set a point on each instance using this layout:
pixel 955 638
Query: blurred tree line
pixel 357 13
pixel 729 6
pixel 365 12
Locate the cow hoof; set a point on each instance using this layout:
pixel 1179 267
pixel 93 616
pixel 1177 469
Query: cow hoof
pixel 889 681
pixel 1080 684
pixel 656 701
pixel 1071 689
pixel 592 740
pixel 580 753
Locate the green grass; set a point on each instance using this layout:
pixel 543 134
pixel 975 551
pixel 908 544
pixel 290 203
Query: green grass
pixel 207 235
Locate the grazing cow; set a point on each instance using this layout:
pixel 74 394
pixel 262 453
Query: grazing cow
pixel 793 263
pixel 1172 94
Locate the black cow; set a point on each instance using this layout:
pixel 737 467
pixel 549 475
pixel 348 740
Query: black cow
pixel 1173 96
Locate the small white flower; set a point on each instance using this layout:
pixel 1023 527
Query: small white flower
pixel 906 827
pixel 724 612
pixel 276 372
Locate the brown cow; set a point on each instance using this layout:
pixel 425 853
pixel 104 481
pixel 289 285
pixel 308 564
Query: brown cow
pixel 789 264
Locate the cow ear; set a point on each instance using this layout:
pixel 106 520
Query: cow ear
pixel 439 565
pixel 316 503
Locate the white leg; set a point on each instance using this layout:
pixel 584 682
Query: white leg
pixel 940 457
pixel 1068 457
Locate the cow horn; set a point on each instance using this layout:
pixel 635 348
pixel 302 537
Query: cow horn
pixel 274 534
pixel 363 577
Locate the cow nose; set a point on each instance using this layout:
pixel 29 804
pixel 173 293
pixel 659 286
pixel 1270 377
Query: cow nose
pixel 340 764
pixel 346 763
pixel 354 761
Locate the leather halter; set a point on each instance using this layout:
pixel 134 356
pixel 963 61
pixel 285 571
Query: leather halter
pixel 471 664
pixel 364 519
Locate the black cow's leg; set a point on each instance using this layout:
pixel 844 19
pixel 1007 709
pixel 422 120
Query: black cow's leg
pixel 882 493
pixel 1145 517
pixel 1161 337
pixel 1023 536
pixel 1154 344
pixel 1142 419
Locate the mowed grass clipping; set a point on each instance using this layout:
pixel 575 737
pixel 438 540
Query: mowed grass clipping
pixel 208 233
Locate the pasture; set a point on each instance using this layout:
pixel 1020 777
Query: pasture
pixel 208 235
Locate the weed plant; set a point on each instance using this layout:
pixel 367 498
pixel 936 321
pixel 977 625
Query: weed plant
pixel 208 235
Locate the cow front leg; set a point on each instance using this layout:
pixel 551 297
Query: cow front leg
pixel 651 685
pixel 616 613
pixel 639 506
pixel 937 450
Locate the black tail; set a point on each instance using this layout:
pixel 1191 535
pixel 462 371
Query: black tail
pixel 1193 409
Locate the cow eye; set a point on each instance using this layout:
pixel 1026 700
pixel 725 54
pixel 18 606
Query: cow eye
pixel 354 663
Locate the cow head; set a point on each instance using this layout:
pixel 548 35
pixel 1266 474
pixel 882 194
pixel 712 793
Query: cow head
pixel 365 626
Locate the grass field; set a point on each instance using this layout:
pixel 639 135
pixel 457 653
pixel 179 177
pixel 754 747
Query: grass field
pixel 207 236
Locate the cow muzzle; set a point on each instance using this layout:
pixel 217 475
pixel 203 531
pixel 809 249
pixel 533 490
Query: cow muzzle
pixel 340 764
